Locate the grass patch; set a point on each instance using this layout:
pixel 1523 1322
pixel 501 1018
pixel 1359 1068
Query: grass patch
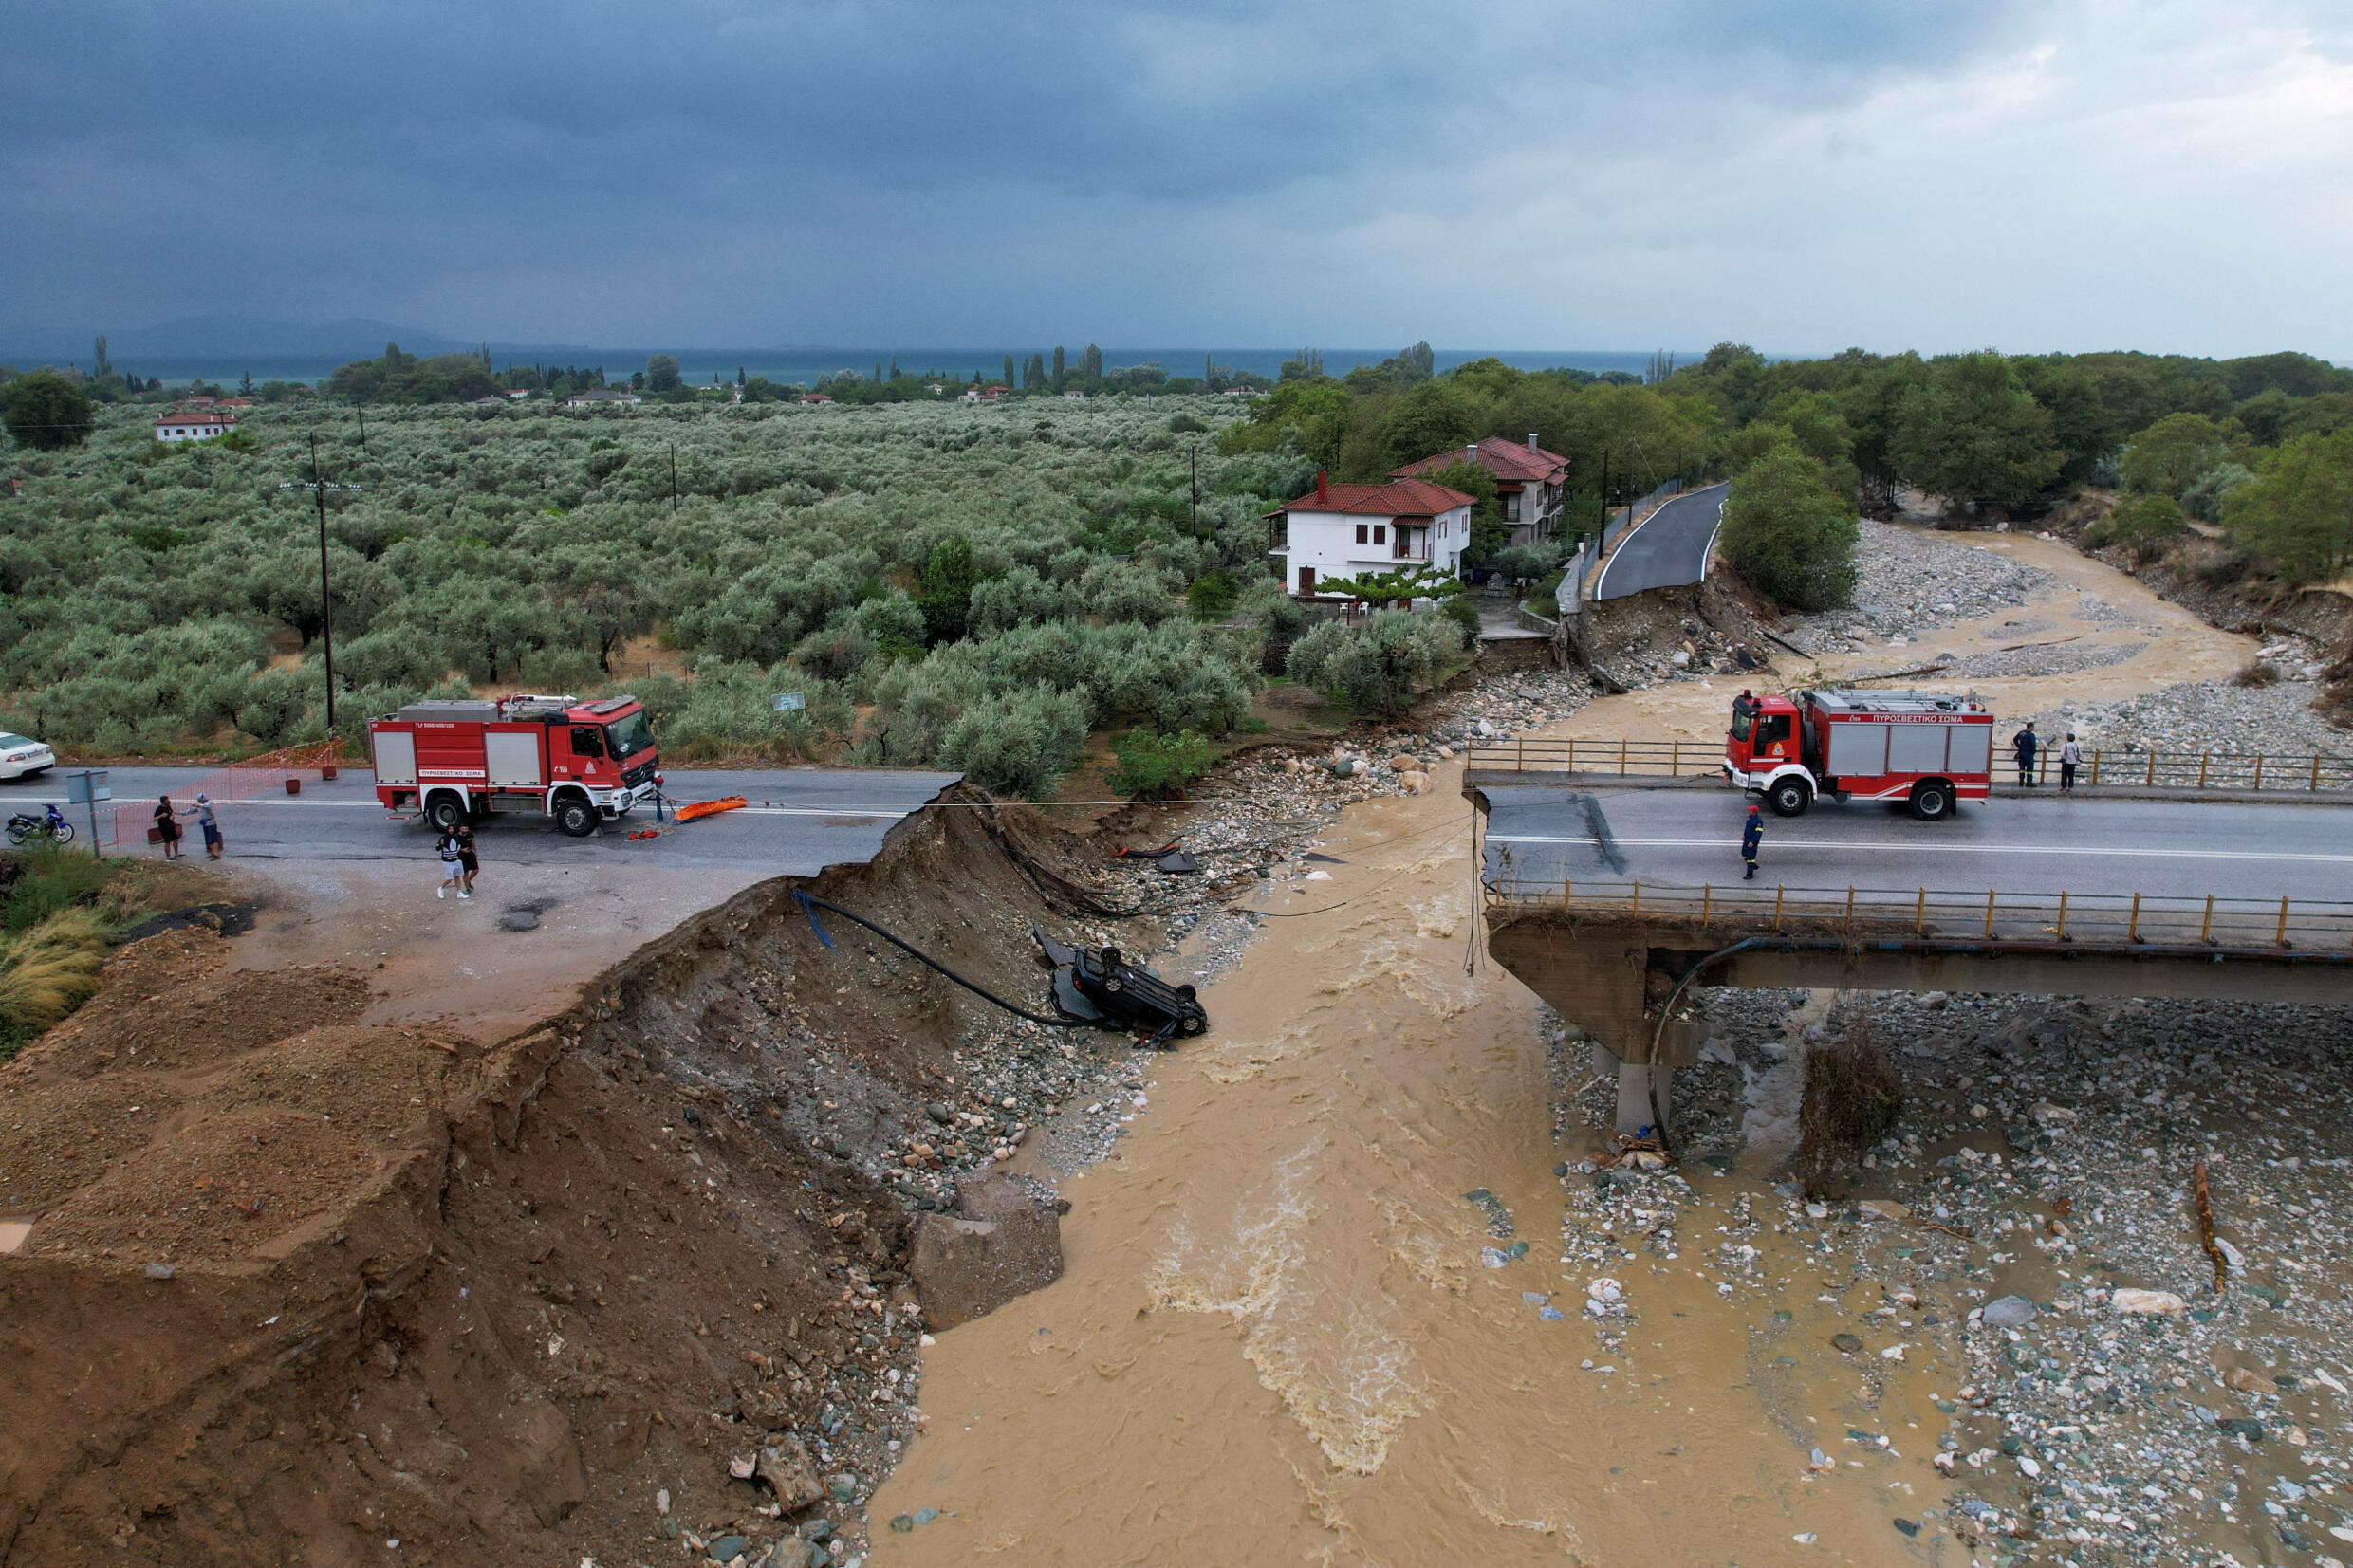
pixel 59 908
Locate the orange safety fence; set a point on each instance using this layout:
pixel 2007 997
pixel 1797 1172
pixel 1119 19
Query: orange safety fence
pixel 130 823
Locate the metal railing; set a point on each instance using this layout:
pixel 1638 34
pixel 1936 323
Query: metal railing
pixel 1656 759
pixel 2121 920
pixel 2249 771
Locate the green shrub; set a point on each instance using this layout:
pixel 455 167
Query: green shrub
pixel 1378 666
pixel 1464 615
pixel 1159 766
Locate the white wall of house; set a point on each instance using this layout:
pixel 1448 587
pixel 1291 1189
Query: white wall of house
pixel 1329 544
pixel 176 431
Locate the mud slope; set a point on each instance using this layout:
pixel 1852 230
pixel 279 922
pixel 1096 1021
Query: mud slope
pixel 297 1288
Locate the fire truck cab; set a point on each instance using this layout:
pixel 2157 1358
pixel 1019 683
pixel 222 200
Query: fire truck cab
pixel 1923 747
pixel 579 763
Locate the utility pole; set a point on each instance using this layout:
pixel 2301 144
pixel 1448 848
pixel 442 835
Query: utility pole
pixel 1193 519
pixel 1604 533
pixel 318 486
pixel 674 478
pixel 363 431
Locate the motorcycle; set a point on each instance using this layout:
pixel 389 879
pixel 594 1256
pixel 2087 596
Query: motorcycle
pixel 24 827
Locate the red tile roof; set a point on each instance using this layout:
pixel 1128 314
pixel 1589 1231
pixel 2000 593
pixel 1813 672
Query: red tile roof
pixel 1511 462
pixel 1399 498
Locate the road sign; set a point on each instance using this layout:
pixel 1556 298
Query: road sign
pixel 788 702
pixel 85 789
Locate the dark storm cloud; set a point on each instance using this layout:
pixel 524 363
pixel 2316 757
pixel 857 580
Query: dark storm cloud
pixel 329 158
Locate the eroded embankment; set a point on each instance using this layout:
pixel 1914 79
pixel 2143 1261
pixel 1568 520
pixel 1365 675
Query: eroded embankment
pixel 298 1288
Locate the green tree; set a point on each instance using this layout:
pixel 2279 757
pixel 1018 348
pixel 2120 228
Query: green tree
pixel 1974 434
pixel 1489 532
pixel 2298 510
pixel 944 593
pixel 45 412
pixel 2143 525
pixel 1788 534
pixel 1009 373
pixel 1061 367
pixel 662 373
pixel 2173 453
pixel 1314 416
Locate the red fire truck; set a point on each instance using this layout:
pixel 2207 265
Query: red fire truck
pixel 576 762
pixel 1922 747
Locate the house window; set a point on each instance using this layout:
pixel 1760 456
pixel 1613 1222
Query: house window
pixel 1511 507
pixel 1380 533
pixel 1441 529
pixel 1360 533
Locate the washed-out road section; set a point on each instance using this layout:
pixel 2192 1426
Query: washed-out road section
pixel 338 879
pixel 1668 549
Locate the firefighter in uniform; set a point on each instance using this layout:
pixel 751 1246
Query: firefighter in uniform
pixel 1751 839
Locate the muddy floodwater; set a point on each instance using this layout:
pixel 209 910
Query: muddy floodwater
pixel 1289 1331
pixel 1287 1335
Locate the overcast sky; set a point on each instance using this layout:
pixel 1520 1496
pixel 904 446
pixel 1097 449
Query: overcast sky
pixel 1801 174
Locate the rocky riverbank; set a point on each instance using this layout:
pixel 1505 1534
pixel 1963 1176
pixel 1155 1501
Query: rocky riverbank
pixel 2111 1390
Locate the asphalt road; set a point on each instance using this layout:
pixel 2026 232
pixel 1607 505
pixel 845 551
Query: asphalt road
pixel 800 819
pixel 1669 549
pixel 1541 836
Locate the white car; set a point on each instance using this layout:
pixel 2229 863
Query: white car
pixel 21 756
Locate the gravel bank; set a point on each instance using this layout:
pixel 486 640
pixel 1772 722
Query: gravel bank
pixel 2276 720
pixel 1909 581
pixel 2013 1230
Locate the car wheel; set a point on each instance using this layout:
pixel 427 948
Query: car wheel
pixel 446 812
pixel 1932 802
pixel 576 815
pixel 1791 797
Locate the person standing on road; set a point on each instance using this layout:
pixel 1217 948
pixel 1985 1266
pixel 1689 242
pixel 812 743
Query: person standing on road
pixel 2026 742
pixel 453 869
pixel 468 861
pixel 2070 758
pixel 167 825
pixel 208 823
pixel 1752 839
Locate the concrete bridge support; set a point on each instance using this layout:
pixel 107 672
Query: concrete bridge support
pixel 1614 979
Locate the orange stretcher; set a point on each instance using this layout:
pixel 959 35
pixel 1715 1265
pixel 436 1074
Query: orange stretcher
pixel 710 808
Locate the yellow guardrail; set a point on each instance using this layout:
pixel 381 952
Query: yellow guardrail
pixel 2119 919
pixel 2308 774
pixel 1653 759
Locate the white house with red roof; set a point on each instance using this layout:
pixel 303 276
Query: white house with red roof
pixel 194 424
pixel 1529 482
pixel 1345 530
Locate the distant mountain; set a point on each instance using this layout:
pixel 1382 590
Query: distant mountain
pixel 229 337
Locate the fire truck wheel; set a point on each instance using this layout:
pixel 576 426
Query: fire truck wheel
pixel 576 815
pixel 1932 801
pixel 1789 796
pixel 446 812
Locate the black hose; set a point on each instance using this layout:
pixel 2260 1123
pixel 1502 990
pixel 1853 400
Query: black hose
pixel 1657 1115
pixel 923 958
